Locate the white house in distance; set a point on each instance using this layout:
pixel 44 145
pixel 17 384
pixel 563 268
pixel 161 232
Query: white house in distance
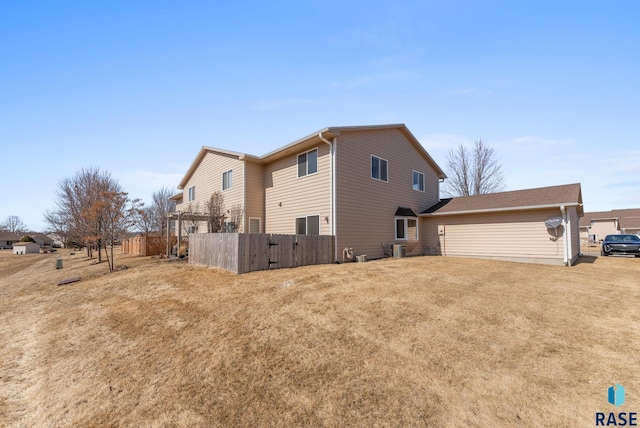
pixel 26 248
pixel 7 239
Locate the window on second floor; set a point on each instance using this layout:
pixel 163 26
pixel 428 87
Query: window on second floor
pixel 418 181
pixel 379 169
pixel 308 163
pixel 192 193
pixel 227 179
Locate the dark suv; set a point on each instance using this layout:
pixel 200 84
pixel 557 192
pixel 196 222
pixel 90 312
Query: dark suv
pixel 621 244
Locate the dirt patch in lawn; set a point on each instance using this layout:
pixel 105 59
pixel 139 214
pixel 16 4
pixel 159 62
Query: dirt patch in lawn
pixel 420 341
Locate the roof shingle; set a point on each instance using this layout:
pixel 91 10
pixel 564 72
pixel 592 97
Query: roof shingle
pixel 541 197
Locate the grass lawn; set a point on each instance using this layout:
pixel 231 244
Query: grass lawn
pixel 425 341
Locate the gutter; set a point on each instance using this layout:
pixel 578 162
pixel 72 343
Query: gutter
pixel 569 244
pixel 332 188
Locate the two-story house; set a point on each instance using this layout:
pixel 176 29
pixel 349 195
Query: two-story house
pixel 363 184
pixel 373 187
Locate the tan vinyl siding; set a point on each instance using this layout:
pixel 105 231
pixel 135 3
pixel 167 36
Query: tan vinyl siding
pixel 572 215
pixel 207 179
pixel 512 236
pixel 288 196
pixel 254 193
pixel 366 207
pixel 602 228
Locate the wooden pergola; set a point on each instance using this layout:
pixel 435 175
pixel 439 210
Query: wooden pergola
pixel 180 216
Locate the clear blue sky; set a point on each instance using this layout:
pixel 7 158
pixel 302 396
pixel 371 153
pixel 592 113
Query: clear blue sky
pixel 137 87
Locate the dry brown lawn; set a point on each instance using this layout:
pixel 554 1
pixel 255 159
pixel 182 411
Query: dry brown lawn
pixel 426 341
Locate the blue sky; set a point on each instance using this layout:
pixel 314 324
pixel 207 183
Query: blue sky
pixel 137 87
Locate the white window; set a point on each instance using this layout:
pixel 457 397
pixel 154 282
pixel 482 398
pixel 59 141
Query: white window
pixel 227 179
pixel 254 225
pixel 379 169
pixel 406 228
pixel 418 181
pixel 308 163
pixel 309 225
pixel 192 193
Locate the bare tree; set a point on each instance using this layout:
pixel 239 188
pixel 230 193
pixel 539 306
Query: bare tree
pixel 59 223
pixel 215 213
pixel 14 224
pixel 92 209
pixel 77 203
pixel 191 218
pixel 118 214
pixel 473 172
pixel 235 218
pixel 145 221
pixel 161 207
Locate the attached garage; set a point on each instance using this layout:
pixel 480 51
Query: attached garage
pixel 532 225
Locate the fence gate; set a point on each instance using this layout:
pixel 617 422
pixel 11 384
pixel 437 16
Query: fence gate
pixel 282 251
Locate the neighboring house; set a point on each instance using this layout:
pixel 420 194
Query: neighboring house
pixel 596 225
pixel 57 241
pixel 41 239
pixel 508 225
pixel 7 239
pixel 26 248
pixel 629 220
pixel 370 186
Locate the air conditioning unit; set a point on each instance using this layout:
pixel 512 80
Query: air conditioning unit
pixel 399 251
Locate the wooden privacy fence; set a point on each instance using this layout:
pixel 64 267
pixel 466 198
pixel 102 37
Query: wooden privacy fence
pixel 145 245
pixel 247 252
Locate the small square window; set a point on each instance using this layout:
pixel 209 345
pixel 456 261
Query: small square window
pixel 254 225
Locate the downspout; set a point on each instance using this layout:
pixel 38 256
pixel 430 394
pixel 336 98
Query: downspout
pixel 179 234
pixel 332 189
pixel 569 246
pixel 564 235
pixel 169 236
pixel 244 197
